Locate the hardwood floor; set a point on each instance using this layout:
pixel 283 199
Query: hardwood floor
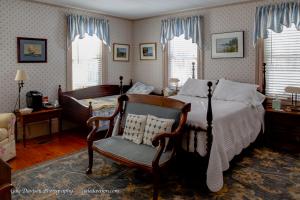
pixel 45 148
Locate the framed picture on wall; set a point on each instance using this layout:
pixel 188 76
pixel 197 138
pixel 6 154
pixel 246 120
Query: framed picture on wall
pixel 121 52
pixel 148 51
pixel 32 50
pixel 228 45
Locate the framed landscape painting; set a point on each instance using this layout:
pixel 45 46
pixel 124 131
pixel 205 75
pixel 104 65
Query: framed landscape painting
pixel 31 50
pixel 148 51
pixel 228 45
pixel 121 52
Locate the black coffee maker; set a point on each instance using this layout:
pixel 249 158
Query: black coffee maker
pixel 34 100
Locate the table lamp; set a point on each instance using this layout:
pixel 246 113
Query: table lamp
pixel 174 81
pixel 21 76
pixel 295 91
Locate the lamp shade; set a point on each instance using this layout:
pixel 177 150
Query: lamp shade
pixel 174 80
pixel 292 89
pixel 21 75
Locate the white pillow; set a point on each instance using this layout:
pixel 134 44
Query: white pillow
pixel 140 88
pixel 195 87
pixel 235 91
pixel 155 125
pixel 134 128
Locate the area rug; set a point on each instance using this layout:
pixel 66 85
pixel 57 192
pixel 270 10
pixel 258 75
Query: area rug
pixel 260 174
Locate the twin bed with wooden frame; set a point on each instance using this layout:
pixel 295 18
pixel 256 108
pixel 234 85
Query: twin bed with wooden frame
pixel 72 101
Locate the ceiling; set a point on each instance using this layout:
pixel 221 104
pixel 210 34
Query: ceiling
pixel 137 9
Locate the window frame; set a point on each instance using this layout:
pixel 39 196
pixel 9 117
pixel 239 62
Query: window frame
pixel 261 65
pixel 200 69
pixel 69 79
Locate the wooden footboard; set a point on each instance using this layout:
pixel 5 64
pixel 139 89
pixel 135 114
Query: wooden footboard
pixel 79 113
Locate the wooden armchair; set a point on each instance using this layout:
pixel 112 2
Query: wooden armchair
pixel 140 156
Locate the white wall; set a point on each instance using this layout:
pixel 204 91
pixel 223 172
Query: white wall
pixel 239 17
pixel 28 19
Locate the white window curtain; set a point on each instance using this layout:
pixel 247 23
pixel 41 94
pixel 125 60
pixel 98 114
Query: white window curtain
pixel 190 27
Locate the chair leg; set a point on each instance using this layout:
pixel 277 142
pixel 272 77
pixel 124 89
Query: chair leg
pixel 156 184
pixel 91 160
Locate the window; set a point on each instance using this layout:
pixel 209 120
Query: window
pixel 282 55
pixel 181 54
pixel 86 62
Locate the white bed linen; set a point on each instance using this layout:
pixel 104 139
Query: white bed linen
pixel 235 126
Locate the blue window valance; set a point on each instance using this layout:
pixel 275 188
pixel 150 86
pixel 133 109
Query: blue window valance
pixel 81 25
pixel 274 17
pixel 191 27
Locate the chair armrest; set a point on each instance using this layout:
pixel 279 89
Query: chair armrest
pixel 175 133
pixel 161 136
pixel 96 120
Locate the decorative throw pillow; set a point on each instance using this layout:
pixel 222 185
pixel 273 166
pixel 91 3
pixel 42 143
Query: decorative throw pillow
pixel 155 125
pixel 134 128
pixel 140 88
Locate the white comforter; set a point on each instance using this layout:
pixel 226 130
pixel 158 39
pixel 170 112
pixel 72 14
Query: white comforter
pixel 235 126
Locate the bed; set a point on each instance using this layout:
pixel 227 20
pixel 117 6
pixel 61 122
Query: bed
pixel 79 105
pixel 217 129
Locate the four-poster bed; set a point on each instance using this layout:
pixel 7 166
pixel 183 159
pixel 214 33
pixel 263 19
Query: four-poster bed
pixel 202 138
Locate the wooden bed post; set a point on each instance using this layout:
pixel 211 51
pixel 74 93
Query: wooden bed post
pixel 131 83
pixel 121 85
pixel 209 118
pixel 264 79
pixel 59 95
pixel 193 68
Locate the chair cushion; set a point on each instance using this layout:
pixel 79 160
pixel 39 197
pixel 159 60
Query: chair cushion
pixel 137 153
pixel 3 134
pixel 134 128
pixel 155 125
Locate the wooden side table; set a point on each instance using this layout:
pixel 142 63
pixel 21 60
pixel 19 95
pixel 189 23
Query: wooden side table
pixel 283 129
pixel 41 115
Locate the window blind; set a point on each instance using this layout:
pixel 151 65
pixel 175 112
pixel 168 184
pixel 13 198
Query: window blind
pixel 86 62
pixel 181 54
pixel 282 56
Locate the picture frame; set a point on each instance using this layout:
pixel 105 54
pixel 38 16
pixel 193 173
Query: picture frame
pixel 121 52
pixel 228 45
pixel 31 50
pixel 147 51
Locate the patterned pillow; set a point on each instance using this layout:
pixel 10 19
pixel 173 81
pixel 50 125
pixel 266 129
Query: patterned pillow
pixel 134 128
pixel 140 88
pixel 155 125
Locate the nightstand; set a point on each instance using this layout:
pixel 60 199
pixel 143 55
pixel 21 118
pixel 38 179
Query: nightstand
pixel 282 129
pixel 36 116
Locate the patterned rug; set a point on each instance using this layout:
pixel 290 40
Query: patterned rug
pixel 260 174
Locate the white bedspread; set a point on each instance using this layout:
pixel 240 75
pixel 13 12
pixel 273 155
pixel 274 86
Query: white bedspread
pixel 235 126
